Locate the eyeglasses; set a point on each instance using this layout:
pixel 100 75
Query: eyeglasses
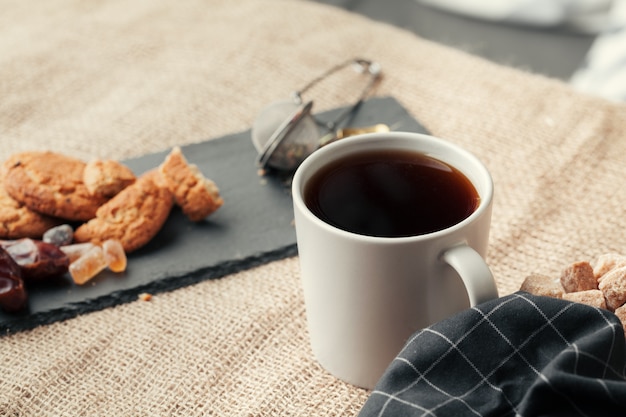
pixel 286 132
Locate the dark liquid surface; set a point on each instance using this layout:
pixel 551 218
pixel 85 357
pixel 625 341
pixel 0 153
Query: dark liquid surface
pixel 390 194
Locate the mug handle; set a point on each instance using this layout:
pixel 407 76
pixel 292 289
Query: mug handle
pixel 473 270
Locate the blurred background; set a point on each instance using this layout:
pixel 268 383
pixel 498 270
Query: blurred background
pixel 556 38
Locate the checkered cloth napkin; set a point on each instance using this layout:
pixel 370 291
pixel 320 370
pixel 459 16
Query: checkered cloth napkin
pixel 519 355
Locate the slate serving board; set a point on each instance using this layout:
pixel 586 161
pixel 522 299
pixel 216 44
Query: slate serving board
pixel 253 227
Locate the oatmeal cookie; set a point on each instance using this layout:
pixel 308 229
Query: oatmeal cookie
pixel 196 195
pixel 50 183
pixel 133 216
pixel 107 177
pixel 18 221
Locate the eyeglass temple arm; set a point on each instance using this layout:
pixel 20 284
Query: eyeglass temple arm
pixel 361 65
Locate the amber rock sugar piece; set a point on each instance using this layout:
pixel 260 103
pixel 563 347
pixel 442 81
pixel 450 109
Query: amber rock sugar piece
pixel 88 266
pixel 114 255
pixel 77 250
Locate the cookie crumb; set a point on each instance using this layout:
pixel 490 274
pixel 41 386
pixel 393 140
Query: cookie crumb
pixel 144 296
pixel 197 196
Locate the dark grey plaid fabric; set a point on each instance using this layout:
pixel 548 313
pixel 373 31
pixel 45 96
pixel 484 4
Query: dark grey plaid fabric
pixel 519 355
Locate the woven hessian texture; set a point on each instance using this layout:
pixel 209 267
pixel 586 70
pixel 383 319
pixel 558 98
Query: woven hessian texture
pixel 118 79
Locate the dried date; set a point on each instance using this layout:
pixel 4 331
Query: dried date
pixel 38 260
pixel 13 295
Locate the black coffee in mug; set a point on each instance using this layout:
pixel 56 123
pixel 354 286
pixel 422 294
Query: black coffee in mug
pixel 391 193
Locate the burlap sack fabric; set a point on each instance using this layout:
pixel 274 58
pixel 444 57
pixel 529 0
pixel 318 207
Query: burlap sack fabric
pixel 119 79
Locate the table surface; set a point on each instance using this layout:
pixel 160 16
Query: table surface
pixel 121 80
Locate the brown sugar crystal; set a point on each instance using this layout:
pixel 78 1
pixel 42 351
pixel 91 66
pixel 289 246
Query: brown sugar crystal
pixel 613 286
pixel 602 285
pixel 538 284
pixel 607 262
pixel 578 277
pixel 593 298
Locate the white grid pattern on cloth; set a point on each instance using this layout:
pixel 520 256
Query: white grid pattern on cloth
pixel 422 387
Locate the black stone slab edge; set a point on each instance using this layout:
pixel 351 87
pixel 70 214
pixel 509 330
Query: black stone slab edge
pixel 163 285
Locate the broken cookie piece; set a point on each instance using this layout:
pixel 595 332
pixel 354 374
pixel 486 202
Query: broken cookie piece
pixel 195 194
pixel 106 178
pixel 133 216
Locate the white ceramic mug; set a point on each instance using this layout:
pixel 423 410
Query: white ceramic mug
pixel 365 295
